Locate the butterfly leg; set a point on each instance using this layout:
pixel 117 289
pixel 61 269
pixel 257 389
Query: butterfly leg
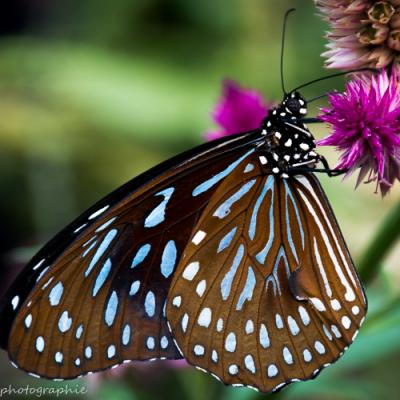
pixel 311 121
pixel 328 170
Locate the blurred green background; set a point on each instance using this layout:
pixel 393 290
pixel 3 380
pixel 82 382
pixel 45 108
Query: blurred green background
pixel 94 92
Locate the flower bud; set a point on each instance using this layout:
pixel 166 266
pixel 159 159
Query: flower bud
pixel 381 11
pixel 394 40
pixel 373 34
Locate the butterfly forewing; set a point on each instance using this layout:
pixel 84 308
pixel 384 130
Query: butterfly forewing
pixel 95 295
pixel 269 295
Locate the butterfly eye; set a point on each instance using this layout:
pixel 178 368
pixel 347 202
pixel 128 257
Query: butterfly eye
pixel 295 105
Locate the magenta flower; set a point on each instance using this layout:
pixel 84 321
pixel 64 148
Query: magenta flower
pixel 238 110
pixel 366 128
pixel 363 33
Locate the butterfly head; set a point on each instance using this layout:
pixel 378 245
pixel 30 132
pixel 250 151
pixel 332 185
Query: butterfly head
pixel 295 104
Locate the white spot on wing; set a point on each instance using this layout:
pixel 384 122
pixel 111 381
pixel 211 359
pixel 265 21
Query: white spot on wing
pixel 318 304
pixel 55 294
pixel 249 363
pixel 249 327
pixel 40 344
pixel 220 325
pixel 205 317
pixel 199 350
pixel 305 318
pixel 177 301
pixel 65 322
pixel 201 287
pixel 346 322
pixel 191 270
pixel 98 212
pixel 307 355
pixel 319 347
pixel 287 355
pixel 198 237
pixel 272 370
pixel 294 328
pixel 264 337
pixel 230 342
pixel 15 302
pixel 28 321
pixel 278 321
pixel 233 369
pixel 184 322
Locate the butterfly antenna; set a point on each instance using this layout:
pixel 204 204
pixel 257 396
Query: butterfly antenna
pixel 334 76
pixel 288 12
pixel 317 98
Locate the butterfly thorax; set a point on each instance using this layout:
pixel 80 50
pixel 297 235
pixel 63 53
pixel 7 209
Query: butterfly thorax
pixel 289 143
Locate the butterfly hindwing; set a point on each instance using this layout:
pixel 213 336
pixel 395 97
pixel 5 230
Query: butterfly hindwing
pixel 95 295
pixel 270 294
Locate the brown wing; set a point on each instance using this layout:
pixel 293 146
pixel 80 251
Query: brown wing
pixel 95 295
pixel 270 294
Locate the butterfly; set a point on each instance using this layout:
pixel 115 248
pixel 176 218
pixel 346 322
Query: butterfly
pixel 228 255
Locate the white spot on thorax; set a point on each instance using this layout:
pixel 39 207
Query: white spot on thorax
pixel 263 160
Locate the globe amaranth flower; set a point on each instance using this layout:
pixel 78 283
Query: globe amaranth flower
pixel 363 33
pixel 238 110
pixel 366 128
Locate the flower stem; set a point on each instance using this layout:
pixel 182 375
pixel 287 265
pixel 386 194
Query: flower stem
pixel 370 262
